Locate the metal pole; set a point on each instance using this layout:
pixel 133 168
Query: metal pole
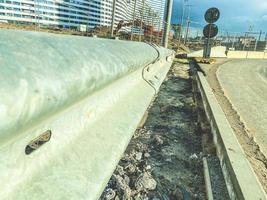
pixel 233 44
pixel 207 46
pixel 35 12
pixel 256 43
pixel 141 23
pixel 152 27
pixel 245 41
pixel 167 25
pixel 38 13
pixel 159 31
pixel 113 18
pixel 147 19
pixel 133 20
pixel 188 23
pixel 182 23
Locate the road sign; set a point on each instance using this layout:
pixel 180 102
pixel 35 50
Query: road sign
pixel 210 30
pixel 212 15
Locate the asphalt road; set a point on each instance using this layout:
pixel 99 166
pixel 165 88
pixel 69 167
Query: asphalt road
pixel 244 82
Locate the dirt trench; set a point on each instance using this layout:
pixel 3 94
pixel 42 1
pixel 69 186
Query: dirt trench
pixel 164 157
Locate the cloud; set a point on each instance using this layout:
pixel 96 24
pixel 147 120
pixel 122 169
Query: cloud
pixel 236 15
pixel 264 18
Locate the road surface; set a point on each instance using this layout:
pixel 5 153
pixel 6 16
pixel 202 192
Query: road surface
pixel 244 82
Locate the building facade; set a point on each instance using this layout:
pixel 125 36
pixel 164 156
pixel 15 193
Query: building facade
pixel 66 13
pixel 74 13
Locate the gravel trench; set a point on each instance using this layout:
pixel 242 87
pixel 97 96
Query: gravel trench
pixel 164 157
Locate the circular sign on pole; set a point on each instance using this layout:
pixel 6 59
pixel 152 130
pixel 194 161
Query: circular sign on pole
pixel 212 15
pixel 210 30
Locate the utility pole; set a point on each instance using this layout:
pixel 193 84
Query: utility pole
pixel 182 21
pixel 188 23
pixel 113 18
pixel 247 37
pixel 167 25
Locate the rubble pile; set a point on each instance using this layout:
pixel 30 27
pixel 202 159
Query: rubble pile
pixel 132 178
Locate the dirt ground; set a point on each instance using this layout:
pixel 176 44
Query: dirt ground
pixel 251 149
pixel 164 157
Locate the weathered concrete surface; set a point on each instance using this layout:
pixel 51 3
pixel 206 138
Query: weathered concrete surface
pixel 216 52
pixel 245 84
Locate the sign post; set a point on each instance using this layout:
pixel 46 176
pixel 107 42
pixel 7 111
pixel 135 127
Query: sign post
pixel 210 30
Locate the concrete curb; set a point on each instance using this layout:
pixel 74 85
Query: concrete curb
pixel 240 178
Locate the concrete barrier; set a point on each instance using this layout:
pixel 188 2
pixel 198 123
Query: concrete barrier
pixel 237 54
pixel 255 54
pixel 68 108
pixel 247 54
pixel 216 52
pixel 241 180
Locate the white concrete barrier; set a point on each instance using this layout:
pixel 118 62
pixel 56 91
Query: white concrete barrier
pixel 216 52
pixel 247 54
pixel 68 108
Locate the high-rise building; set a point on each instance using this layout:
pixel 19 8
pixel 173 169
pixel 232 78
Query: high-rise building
pixel 66 13
pixel 74 13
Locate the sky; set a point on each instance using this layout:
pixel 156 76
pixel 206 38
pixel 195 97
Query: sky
pixel 236 15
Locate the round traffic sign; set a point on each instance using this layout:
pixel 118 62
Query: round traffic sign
pixel 212 15
pixel 210 30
